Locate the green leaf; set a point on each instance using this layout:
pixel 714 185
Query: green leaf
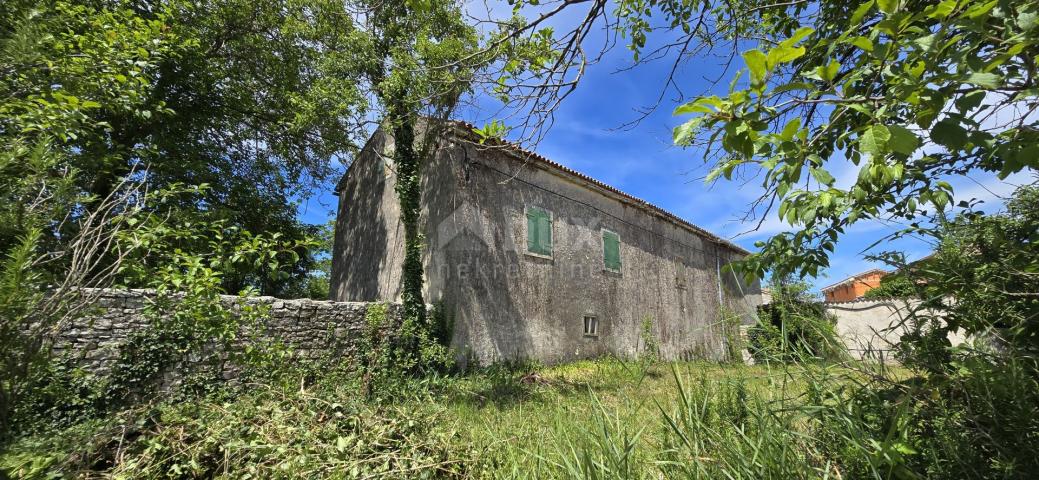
pixel 985 79
pixel 860 13
pixel 863 43
pixel 756 64
pixel 888 6
pixel 790 129
pixel 874 141
pixel 695 106
pixel 925 42
pixel 783 54
pixel 799 35
pixel 792 86
pixel 714 174
pixel 903 140
pixel 950 134
pixel 829 72
pixel 980 9
pixel 1027 20
pixel 941 10
pixel 685 132
pixel 822 176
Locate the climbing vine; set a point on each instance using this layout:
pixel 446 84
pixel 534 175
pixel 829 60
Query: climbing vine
pixel 409 195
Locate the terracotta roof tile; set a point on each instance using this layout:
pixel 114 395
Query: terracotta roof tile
pixel 853 278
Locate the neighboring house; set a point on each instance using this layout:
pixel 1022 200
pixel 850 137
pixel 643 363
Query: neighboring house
pixel 533 260
pixel 854 287
pixel 766 295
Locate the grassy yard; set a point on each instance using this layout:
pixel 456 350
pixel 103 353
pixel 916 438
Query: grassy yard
pixel 603 419
pixel 540 423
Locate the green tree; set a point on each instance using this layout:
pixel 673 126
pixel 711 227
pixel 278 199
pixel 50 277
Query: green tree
pixel 895 285
pixel 872 84
pixel 316 284
pixel 412 34
pixel 239 102
pixel 984 276
pixel 794 326
pixel 910 92
pixel 63 65
pixel 252 114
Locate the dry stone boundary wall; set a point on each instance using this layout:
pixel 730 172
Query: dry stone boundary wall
pixel 313 329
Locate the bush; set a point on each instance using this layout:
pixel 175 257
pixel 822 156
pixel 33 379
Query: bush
pixel 893 286
pixel 793 327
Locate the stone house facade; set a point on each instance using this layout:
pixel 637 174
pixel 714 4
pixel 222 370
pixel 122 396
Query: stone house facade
pixel 533 260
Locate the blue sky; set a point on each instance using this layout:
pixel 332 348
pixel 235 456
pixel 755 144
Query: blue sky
pixel 642 161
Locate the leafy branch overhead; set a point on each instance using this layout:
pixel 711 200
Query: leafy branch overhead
pixel 910 96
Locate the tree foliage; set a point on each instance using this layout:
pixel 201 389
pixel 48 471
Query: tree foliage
pixel 228 93
pixel 794 327
pixel 911 93
pixel 62 65
pixel 984 275
pixel 895 285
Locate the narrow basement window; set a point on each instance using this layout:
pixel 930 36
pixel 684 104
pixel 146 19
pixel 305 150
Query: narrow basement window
pixel 591 326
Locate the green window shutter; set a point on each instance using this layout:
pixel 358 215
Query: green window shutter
pixel 611 250
pixel 545 233
pixel 539 231
pixel 532 230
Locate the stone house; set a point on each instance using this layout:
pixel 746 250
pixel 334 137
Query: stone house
pixel 853 287
pixel 533 260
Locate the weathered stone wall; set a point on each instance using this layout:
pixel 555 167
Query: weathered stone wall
pixel 873 328
pixel 313 329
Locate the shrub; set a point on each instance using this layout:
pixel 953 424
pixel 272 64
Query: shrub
pixel 793 327
pixel 893 286
pixel 650 345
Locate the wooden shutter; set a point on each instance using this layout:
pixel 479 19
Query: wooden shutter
pixel 611 250
pixel 545 233
pixel 539 231
pixel 532 230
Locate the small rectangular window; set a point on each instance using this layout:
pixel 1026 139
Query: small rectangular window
pixel 539 231
pixel 611 251
pixel 591 326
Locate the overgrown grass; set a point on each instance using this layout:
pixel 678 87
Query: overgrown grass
pixel 604 419
pixel 540 423
pixel 501 422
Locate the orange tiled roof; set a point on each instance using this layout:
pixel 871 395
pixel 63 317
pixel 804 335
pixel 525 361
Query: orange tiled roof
pixel 853 278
